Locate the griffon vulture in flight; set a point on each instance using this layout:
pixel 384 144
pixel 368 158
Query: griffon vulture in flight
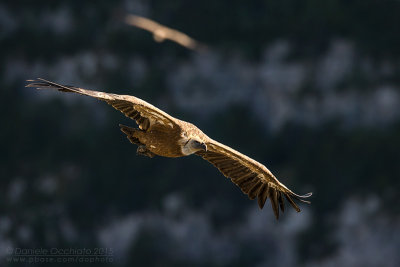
pixel 163 135
pixel 161 32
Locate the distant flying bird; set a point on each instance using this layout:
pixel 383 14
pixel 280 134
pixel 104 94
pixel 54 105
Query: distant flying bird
pixel 163 135
pixel 160 32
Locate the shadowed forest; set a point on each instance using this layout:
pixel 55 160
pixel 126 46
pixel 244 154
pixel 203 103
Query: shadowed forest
pixel 310 89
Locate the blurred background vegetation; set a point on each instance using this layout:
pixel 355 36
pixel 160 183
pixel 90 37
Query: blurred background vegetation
pixel 310 89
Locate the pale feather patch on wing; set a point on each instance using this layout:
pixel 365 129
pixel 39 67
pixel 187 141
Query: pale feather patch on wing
pixel 155 117
pixel 129 110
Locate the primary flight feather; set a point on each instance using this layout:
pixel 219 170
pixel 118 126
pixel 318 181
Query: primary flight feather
pixel 163 135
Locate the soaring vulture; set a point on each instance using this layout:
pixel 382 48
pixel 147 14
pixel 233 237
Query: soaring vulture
pixel 161 32
pixel 163 135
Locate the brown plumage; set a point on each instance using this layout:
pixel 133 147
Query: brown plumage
pixel 163 135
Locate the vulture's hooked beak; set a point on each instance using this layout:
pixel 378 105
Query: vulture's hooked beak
pixel 203 146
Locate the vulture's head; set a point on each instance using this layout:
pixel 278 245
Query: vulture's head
pixel 193 145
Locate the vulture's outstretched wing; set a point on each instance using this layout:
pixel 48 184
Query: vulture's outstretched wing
pixel 142 112
pixel 253 178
